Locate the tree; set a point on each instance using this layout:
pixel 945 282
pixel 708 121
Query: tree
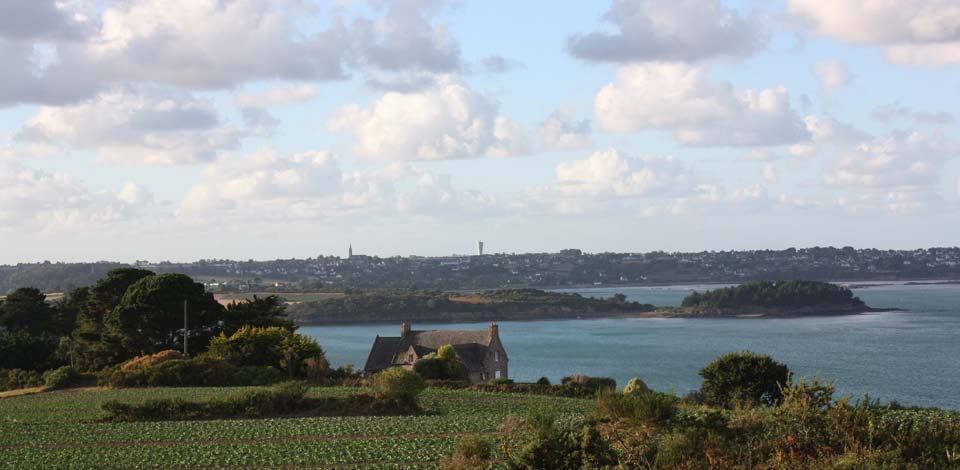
pixel 269 346
pixel 744 378
pixel 26 309
pixel 22 350
pixel 441 365
pixel 149 316
pixel 91 348
pixel 259 311
pixel 397 384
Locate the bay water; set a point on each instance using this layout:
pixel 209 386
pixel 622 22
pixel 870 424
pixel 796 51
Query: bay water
pixel 911 356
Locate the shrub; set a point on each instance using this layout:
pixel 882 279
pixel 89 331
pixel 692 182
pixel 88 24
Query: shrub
pixel 650 408
pixel 636 386
pixel 398 384
pixel 442 365
pixel 142 362
pixel 13 379
pixel 543 381
pixel 62 377
pixel 473 452
pixel 281 399
pixel 256 375
pixel 194 372
pixel 501 381
pixel 269 346
pixel 743 378
pixel 538 442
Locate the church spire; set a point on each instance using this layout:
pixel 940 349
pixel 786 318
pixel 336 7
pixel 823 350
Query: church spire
pixel 350 251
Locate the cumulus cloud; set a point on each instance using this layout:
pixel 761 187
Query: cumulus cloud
pixel 499 64
pixel 447 121
pixel 680 98
pixel 406 38
pixel 268 185
pixel 832 74
pixel 31 19
pixel 561 131
pixel 902 160
pixel 34 200
pixel 683 30
pixel 769 173
pixel 155 127
pixel 912 32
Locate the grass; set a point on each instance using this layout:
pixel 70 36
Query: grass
pixel 226 298
pixel 23 391
pixel 58 430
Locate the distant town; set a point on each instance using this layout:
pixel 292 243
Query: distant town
pixel 567 268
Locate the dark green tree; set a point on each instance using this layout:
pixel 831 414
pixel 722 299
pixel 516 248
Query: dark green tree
pixel 90 348
pixel 744 378
pixel 26 310
pixel 149 317
pixel 259 312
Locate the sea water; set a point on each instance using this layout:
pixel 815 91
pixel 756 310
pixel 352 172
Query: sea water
pixel 911 356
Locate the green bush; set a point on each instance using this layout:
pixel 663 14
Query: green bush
pixel 501 381
pixel 636 386
pixel 539 442
pixel 247 376
pixel 14 379
pixel 744 378
pixel 194 372
pixel 442 365
pixel 397 383
pixel 650 408
pixel 269 346
pixel 543 381
pixel 62 377
pixel 473 452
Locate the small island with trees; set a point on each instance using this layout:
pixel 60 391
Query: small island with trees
pixel 771 299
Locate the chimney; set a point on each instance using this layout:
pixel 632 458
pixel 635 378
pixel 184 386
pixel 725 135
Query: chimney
pixel 494 331
pixel 404 328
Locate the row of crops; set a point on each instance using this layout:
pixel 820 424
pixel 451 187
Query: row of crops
pixel 58 430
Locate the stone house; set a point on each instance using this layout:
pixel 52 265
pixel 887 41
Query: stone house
pixel 481 351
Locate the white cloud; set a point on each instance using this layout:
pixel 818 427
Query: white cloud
pixel 448 121
pixel 560 131
pixel 893 111
pixel 32 200
pixel 913 32
pixel 769 173
pixel 680 98
pixel 899 161
pixel 684 30
pixel 154 128
pixel 832 74
pixel 278 95
pixel 404 38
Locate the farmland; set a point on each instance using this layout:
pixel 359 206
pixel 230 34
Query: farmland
pixel 59 430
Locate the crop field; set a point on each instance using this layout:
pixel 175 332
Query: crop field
pixel 58 430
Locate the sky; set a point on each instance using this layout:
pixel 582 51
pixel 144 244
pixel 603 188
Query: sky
pixel 262 129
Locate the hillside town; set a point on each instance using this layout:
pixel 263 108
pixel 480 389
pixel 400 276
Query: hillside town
pixel 570 267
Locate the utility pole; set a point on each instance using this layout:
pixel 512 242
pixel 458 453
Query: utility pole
pixel 184 327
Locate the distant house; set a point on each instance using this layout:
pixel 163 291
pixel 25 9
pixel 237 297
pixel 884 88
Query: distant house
pixel 481 351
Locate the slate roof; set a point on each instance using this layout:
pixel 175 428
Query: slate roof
pixel 470 345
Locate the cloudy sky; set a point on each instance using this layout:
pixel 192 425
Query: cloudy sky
pixel 186 129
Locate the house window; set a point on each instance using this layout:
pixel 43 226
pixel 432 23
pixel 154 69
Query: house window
pixel 496 374
pixel 496 356
pixel 410 358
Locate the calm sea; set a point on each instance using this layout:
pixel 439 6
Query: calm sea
pixel 911 356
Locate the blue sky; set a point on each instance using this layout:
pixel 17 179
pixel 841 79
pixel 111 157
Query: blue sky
pixel 149 129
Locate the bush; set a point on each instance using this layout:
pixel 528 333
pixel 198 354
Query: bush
pixel 143 362
pixel 636 386
pixel 473 452
pixel 442 365
pixel 13 379
pixel 60 378
pixel 543 381
pixel 743 378
pixel 248 376
pixel 194 372
pixel 270 346
pixel 501 381
pixel 281 399
pixel 538 442
pixel 397 384
pixel 650 408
